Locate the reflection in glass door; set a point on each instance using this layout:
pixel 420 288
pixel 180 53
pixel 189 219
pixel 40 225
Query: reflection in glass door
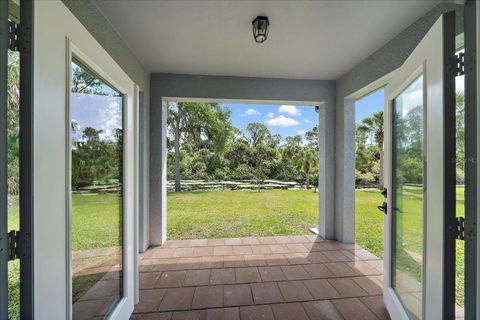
pixel 96 235
pixel 10 185
pixel 408 197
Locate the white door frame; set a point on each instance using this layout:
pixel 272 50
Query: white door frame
pixel 323 215
pixel 58 35
pixel 392 302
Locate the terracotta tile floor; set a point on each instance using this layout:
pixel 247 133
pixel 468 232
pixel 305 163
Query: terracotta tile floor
pixel 288 277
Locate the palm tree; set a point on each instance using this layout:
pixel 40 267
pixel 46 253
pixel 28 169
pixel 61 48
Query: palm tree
pixel 374 125
pixel 306 160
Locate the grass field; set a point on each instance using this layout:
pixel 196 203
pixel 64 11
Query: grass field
pixel 369 230
pixel 95 224
pixel 217 214
pixel 223 214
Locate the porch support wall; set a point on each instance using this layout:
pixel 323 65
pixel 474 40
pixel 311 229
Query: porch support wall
pixel 377 65
pixel 238 88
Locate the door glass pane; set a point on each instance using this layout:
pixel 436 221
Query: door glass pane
pixel 408 180
pixel 13 176
pixel 96 200
pixel 460 191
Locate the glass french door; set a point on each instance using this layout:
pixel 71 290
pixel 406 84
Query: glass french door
pixel 16 207
pixel 96 197
pixel 4 256
pixel 85 142
pixel 408 196
pixel 420 179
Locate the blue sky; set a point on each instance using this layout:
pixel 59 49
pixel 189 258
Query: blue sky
pixel 96 111
pixel 368 105
pixel 374 102
pixel 289 120
pixel 286 120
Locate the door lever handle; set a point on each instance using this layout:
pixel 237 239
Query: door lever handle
pixel 383 207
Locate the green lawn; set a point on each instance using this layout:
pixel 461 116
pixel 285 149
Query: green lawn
pixel 13 269
pixel 223 214
pixel 218 214
pixel 95 225
pixel 369 230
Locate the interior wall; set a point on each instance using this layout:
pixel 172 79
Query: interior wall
pixel 377 65
pixel 99 27
pixel 228 88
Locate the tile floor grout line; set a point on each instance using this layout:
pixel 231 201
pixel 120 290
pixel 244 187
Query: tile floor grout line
pixel 366 306
pixel 264 304
pixel 278 281
pixel 264 265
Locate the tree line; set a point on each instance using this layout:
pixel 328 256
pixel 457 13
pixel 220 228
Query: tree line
pixel 204 145
pixel 409 147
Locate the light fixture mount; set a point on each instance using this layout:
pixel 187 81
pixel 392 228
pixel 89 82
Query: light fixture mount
pixel 260 28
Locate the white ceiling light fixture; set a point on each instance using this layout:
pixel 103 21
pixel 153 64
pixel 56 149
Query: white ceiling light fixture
pixel 260 29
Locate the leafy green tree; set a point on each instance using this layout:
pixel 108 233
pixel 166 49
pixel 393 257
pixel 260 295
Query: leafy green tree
pixel 262 156
pixel 95 159
pixel 13 113
pixel 254 153
pixel 238 153
pixel 460 136
pixel 203 126
pixel 86 82
pixel 311 136
pixel 307 161
pixel 177 124
pixel 258 134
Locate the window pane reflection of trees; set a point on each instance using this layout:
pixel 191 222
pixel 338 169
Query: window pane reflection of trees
pixel 408 173
pixel 96 199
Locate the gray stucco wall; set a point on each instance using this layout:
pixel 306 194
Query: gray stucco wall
pixel 99 27
pixel 380 63
pixel 238 88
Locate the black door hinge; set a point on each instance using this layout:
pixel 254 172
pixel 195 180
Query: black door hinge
pixel 460 228
pixel 460 64
pixel 12 245
pixel 13 38
pixel 18 245
pixel 18 39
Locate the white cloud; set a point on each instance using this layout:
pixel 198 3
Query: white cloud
pixel 291 110
pixel 251 112
pixel 270 115
pixel 282 121
pixel 308 121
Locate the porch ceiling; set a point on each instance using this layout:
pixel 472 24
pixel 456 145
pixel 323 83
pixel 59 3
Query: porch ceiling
pixel 308 39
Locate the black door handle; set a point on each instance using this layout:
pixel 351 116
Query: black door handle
pixel 383 207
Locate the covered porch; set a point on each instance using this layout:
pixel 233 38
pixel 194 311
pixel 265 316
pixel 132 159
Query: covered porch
pixel 325 54
pixel 281 277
